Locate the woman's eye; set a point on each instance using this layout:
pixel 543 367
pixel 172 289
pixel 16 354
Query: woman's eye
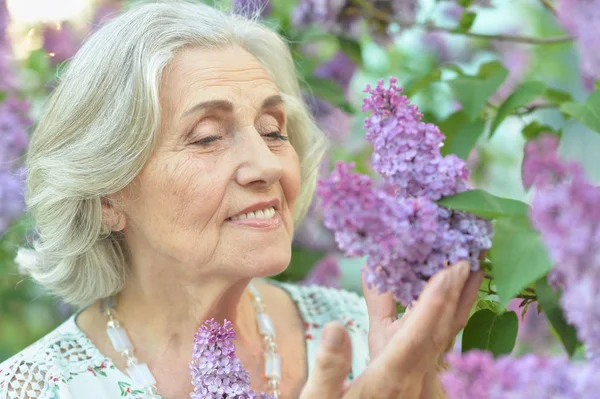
pixel 277 135
pixel 208 140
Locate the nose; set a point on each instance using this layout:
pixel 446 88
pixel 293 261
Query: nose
pixel 259 167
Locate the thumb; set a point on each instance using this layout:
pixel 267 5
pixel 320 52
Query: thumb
pixel 333 363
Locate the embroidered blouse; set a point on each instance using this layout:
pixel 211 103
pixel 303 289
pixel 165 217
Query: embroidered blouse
pixel 65 364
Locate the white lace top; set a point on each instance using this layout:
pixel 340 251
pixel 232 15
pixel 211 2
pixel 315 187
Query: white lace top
pixel 65 364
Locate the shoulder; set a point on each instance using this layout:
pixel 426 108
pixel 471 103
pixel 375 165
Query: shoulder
pixel 320 305
pixel 41 369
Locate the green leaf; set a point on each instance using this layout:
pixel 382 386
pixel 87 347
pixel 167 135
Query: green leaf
pixel 466 22
pixel 473 91
pixel 352 49
pixel 461 134
pixel 533 129
pixel 549 300
pixel 490 331
pixel 465 3
pixel 522 96
pixel 38 61
pixel 453 67
pixel 330 91
pixel 518 256
pixel 417 84
pixel 484 204
pixel 557 96
pixel 588 113
pixel 487 304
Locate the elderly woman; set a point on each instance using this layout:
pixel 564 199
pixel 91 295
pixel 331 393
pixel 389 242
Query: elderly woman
pixel 165 177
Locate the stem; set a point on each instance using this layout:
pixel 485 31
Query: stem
pixel 520 296
pixel 382 16
pixel 548 6
pixel 531 108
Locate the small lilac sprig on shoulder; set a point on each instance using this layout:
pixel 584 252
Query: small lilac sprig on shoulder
pixel 396 223
pixel 217 373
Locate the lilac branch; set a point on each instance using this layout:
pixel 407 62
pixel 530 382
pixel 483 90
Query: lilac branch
pixel 374 13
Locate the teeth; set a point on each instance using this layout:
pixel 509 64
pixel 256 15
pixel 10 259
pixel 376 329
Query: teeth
pixel 260 214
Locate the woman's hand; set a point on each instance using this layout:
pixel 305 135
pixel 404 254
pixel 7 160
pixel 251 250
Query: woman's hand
pixel 404 352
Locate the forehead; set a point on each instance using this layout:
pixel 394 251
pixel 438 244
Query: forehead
pixel 198 74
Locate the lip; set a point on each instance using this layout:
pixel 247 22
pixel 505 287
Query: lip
pixel 274 203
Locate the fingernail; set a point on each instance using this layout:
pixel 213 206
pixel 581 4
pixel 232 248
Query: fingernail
pixel 333 337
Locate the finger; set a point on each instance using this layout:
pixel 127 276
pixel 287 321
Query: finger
pixel 467 299
pixel 431 322
pixel 333 363
pixel 381 307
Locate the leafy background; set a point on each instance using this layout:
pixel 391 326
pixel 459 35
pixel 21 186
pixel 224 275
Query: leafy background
pixel 487 95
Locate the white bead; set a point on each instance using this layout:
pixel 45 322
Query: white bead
pixel 119 339
pixel 273 366
pixel 265 324
pixel 113 323
pixel 141 376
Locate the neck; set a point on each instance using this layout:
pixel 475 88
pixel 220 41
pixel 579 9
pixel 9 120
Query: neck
pixel 162 317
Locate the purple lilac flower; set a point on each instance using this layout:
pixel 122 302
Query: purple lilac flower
pixel 542 165
pixel 325 272
pixel 407 150
pixel 60 41
pixel 566 213
pixel 342 17
pixel 217 373
pixel 407 240
pixel 477 375
pixel 14 139
pixel 340 69
pixel 517 60
pixel 534 335
pixel 12 199
pixel 405 234
pixel 105 11
pixel 332 16
pixel 252 7
pixel 581 19
pixel 7 74
pixel 334 122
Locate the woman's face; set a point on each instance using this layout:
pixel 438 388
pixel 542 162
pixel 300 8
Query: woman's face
pixel 218 192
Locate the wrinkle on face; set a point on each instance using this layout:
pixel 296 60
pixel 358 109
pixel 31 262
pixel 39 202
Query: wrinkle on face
pixel 189 189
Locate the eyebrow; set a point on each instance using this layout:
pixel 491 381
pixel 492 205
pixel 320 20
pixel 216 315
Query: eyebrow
pixel 226 105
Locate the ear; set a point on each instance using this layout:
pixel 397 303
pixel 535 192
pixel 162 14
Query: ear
pixel 113 215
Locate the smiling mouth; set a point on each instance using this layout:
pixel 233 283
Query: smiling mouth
pixel 267 213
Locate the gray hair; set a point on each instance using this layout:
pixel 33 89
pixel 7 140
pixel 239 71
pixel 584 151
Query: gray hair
pixel 100 126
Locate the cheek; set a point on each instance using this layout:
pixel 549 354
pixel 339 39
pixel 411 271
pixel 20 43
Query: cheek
pixel 291 179
pixel 183 193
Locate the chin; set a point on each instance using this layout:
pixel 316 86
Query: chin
pixel 268 263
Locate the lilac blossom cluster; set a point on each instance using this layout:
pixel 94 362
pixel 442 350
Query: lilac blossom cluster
pixel 217 373
pixel 477 375
pixel 60 41
pixel 566 213
pixel 345 17
pixel 14 123
pixel 7 76
pixel 581 19
pixel 396 223
pixel 326 273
